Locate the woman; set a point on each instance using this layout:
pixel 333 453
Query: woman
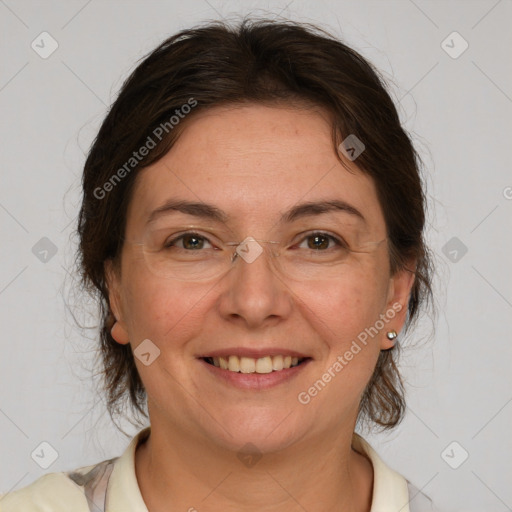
pixel 252 222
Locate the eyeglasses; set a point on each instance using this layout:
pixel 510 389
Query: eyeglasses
pixel 193 256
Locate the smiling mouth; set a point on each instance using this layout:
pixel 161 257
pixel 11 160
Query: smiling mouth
pixel 266 364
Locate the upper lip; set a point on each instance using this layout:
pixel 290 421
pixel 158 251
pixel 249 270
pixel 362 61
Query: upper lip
pixel 253 353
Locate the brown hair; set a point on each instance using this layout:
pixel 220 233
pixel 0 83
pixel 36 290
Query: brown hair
pixel 258 61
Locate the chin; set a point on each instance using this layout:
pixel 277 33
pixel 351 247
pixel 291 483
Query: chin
pixel 267 432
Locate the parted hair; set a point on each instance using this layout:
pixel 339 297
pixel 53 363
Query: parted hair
pixel 264 62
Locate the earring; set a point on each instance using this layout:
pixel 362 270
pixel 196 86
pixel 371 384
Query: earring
pixel 391 335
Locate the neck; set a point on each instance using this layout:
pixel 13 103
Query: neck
pixel 316 474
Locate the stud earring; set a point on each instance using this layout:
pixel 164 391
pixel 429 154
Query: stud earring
pixel 391 335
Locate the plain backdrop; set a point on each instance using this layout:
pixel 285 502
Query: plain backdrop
pixel 454 92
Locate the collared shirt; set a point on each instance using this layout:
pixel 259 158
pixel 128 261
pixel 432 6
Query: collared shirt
pixel 111 486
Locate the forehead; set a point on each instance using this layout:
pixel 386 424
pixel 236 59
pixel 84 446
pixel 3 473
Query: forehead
pixel 254 159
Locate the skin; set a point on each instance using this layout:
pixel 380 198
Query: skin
pixel 255 162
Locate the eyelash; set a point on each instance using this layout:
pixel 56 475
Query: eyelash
pixel 339 242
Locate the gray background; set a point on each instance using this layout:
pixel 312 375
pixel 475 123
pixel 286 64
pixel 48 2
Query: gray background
pixel 458 111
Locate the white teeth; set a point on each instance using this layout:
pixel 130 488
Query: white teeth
pixel 233 364
pixel 247 365
pixel 277 363
pixel 265 364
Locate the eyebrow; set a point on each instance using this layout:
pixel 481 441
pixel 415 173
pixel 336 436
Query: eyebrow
pixel 208 211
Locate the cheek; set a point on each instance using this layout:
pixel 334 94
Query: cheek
pixel 161 311
pixel 340 314
pixel 346 307
pixel 346 315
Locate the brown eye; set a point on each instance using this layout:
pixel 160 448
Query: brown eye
pixel 318 242
pixel 321 241
pixel 191 241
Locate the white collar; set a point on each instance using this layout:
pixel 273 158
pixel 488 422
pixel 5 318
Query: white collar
pixel 390 493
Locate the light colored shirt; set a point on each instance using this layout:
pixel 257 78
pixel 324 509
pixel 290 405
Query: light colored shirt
pixel 111 486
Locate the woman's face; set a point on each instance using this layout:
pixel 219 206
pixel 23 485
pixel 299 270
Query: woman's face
pixel 255 164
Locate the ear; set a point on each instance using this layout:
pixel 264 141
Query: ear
pixel 399 291
pixel 119 331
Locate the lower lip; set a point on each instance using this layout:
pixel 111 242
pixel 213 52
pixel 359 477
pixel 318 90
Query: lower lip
pixel 256 381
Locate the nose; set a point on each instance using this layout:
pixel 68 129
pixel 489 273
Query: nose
pixel 254 294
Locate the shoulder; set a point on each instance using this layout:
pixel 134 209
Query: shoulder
pixel 60 492
pixel 84 489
